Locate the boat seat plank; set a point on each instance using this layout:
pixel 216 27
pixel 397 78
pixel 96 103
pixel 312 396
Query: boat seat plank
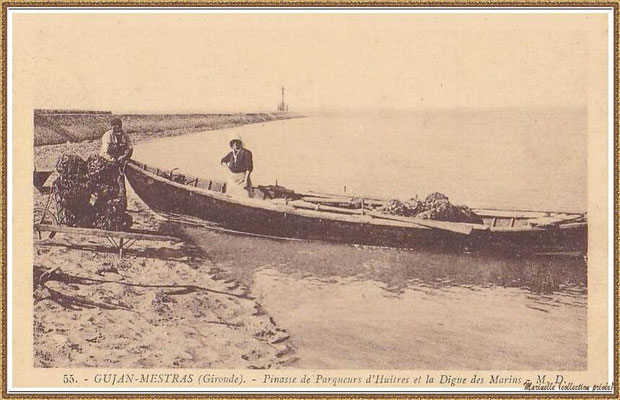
pixel 554 220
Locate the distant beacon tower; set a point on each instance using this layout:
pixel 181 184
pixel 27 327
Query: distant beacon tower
pixel 282 106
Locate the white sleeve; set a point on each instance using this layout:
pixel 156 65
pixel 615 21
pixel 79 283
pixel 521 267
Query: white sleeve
pixel 105 146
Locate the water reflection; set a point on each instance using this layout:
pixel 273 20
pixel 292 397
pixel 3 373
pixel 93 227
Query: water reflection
pixel 395 269
pixel 384 308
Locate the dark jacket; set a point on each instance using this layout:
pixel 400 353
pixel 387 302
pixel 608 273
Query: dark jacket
pixel 242 163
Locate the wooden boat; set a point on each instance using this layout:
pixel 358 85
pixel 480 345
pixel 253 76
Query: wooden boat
pixel 280 212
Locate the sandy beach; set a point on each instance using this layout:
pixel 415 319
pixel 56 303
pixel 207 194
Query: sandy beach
pixel 164 304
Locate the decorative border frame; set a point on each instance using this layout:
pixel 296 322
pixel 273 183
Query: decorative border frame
pixel 614 4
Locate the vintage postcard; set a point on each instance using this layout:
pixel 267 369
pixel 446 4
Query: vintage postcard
pixel 310 200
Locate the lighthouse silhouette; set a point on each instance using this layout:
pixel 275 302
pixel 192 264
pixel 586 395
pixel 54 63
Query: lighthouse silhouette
pixel 282 106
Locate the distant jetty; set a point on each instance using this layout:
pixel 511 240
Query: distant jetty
pixel 71 126
pixel 45 111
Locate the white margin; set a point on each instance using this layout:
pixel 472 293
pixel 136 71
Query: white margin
pixel 274 10
pixel 311 10
pixel 611 192
pixel 9 198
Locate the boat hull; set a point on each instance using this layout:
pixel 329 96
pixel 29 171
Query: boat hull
pixel 168 197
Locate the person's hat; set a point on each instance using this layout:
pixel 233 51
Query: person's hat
pixel 235 137
pixel 116 122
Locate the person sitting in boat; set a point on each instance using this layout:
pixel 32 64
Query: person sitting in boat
pixel 116 146
pixel 239 163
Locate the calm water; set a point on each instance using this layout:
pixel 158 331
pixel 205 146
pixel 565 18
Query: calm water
pixel 362 307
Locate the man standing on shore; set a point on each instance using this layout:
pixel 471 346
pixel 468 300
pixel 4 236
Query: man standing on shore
pixel 116 147
pixel 115 143
pixel 239 163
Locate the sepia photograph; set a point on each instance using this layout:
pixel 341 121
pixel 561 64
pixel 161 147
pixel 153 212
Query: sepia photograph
pixel 384 200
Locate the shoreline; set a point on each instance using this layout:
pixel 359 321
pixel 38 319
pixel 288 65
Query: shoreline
pixel 140 128
pixel 61 127
pixel 163 305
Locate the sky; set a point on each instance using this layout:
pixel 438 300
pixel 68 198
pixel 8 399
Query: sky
pixel 237 63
